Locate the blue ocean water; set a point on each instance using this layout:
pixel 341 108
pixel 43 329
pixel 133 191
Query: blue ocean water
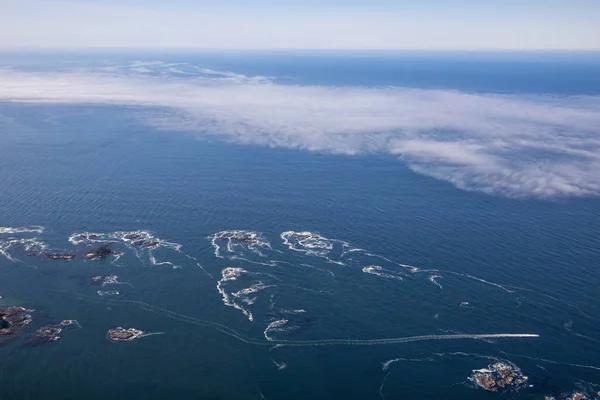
pixel 352 253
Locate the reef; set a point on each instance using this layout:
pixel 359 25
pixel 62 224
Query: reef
pixel 499 376
pixel 123 335
pixel 13 319
pixel 99 253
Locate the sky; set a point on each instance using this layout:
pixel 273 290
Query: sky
pixel 301 24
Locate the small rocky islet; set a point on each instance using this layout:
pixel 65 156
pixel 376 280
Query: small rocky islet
pixel 120 334
pixel 100 252
pixel 499 376
pixel 502 377
pixel 240 237
pixel 51 333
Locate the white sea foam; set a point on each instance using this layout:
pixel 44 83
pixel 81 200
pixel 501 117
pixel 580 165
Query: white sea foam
pixel 433 279
pixel 108 293
pixel 245 294
pixel 233 242
pixel 387 364
pixel 279 366
pixel 482 281
pixel 109 280
pixel 275 326
pixel 307 242
pixel 381 272
pixel 15 230
pixel 228 275
pixel 27 246
pixel 138 239
pixel 143 243
pixel 314 244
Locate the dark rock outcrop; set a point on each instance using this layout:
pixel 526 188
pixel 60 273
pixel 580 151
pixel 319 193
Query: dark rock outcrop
pixel 99 253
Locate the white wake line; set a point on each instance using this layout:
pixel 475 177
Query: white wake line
pixel 407 339
pixel 301 343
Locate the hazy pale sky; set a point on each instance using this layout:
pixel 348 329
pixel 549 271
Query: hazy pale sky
pixel 308 24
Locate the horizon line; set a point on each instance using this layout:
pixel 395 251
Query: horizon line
pixel 333 49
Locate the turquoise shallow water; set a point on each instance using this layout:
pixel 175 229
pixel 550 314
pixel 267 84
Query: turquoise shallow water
pixel 399 255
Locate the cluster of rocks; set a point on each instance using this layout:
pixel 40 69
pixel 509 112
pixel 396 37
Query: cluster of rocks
pixel 81 237
pixel 141 239
pixel 100 252
pixel 13 320
pixel 499 376
pixel 52 333
pixel 240 237
pixel 123 335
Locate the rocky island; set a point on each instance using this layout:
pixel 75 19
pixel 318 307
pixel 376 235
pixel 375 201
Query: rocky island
pixel 499 376
pixel 51 333
pixel 241 237
pixel 141 239
pixel 13 319
pixel 123 335
pixel 100 253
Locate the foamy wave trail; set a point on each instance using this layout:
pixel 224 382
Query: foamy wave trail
pixel 245 295
pixel 482 281
pixel 387 364
pixel 373 342
pixel 28 246
pixel 234 242
pixel 307 242
pixel 15 230
pixel 433 279
pixel 381 272
pixel 109 280
pixel 275 326
pixel 314 244
pixel 143 243
pixel 279 366
pixel 105 293
pixel 278 343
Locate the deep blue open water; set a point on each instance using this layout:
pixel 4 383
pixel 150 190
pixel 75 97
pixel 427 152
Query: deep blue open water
pixel 394 253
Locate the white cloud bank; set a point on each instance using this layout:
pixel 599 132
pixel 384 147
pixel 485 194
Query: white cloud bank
pixel 513 145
